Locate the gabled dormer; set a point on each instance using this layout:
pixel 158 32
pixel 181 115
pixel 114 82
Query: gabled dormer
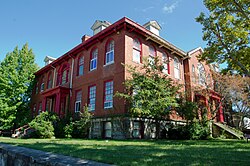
pixel 153 26
pixel 98 26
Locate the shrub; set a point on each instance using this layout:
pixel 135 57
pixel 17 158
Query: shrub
pixel 194 131
pixel 197 130
pixel 43 125
pixel 79 128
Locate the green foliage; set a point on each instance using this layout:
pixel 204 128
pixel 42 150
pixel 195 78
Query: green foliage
pixel 150 92
pixel 79 127
pixel 17 73
pixel 43 124
pixel 193 131
pixel 59 126
pixel 187 109
pixel 226 31
pixel 198 130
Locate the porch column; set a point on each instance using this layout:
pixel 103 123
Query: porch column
pixel 58 98
pixel 44 104
pixel 221 116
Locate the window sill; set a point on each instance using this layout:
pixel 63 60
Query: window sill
pixel 92 69
pixel 108 108
pixel 110 63
pixel 137 62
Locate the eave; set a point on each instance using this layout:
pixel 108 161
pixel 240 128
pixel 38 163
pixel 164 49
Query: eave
pixel 123 23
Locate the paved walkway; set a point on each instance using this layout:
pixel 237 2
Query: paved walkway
pixel 15 155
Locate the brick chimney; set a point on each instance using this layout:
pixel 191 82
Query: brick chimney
pixel 85 38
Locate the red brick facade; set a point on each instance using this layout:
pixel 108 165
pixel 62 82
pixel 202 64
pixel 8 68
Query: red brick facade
pixel 62 78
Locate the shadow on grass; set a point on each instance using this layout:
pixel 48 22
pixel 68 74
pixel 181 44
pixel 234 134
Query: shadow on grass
pixel 151 152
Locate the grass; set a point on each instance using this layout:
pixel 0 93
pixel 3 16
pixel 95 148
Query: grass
pixel 146 152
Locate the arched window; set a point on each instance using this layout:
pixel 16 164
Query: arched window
pixel 37 88
pixel 193 74
pixel 201 74
pixel 93 59
pixel 80 65
pixel 109 58
pixel 177 73
pixel 165 61
pixel 50 80
pixel 42 85
pixel 63 74
pixel 137 50
pixel 152 55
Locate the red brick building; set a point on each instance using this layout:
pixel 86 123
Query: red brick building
pixel 92 72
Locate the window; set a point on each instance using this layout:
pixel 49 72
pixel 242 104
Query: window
pixel 93 59
pixel 78 101
pixel 108 94
pixel 80 65
pixel 108 129
pixel 136 51
pixel 136 130
pixel 40 108
pixel 34 109
pixel 152 54
pixel 92 97
pixel 37 88
pixel 193 74
pixel 201 74
pixel 64 77
pixel 63 74
pixel 165 61
pixel 49 83
pixel 42 85
pixel 109 52
pixel 177 73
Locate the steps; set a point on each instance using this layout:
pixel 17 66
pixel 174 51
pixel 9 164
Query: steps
pixel 232 132
pixel 22 132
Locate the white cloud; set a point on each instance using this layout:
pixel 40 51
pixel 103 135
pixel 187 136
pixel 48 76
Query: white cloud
pixel 148 8
pixel 170 8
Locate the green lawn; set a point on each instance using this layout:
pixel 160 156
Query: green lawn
pixel 143 152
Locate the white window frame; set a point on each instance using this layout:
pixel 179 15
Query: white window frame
pixel 79 65
pixel 177 71
pixel 201 74
pixel 92 99
pixel 165 65
pixel 109 54
pixel 108 103
pixel 93 60
pixel 42 87
pixel 77 104
pixel 108 129
pixel 136 51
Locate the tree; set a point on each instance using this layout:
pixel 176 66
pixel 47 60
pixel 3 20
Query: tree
pixel 235 90
pixel 149 92
pixel 226 31
pixel 17 73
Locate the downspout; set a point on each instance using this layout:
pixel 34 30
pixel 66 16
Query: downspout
pixel 54 76
pixel 71 75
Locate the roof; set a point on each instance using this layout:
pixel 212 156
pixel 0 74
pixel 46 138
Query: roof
pixel 123 23
pixel 195 50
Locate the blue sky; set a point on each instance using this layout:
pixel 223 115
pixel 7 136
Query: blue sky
pixel 53 27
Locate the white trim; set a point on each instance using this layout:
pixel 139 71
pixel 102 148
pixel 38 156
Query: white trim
pixel 76 104
pixel 194 50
